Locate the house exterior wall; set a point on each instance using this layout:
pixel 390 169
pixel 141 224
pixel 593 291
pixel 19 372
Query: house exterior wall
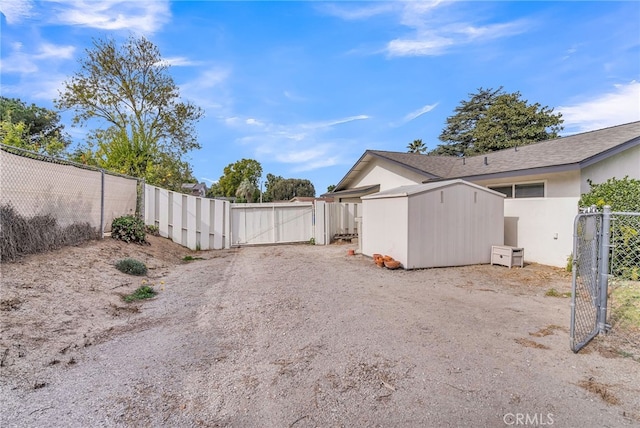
pixel 542 226
pixel 454 226
pixel 385 227
pixel 618 166
pixel 387 175
pixel 557 185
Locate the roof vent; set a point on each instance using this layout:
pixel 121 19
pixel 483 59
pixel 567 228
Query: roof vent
pixel 464 160
pixel 486 162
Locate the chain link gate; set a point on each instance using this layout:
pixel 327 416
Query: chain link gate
pixel 606 277
pixel 585 289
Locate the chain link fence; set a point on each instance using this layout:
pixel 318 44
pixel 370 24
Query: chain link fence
pixel 586 287
pixel 47 202
pixel 623 294
pixel 606 281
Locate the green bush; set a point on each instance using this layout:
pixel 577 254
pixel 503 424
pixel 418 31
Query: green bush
pixel 144 292
pixel 621 195
pixel 132 267
pixel 152 230
pixel 128 228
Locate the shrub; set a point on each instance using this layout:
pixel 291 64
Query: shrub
pixel 621 195
pixel 132 267
pixel 144 292
pixel 128 228
pixel 152 230
pixel 27 235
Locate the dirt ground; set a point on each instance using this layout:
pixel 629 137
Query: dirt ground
pixel 296 336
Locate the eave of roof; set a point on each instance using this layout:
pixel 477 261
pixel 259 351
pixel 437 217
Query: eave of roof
pixel 395 158
pixel 354 192
pixel 415 189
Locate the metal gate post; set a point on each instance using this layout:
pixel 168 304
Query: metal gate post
pixel 102 204
pixel 604 269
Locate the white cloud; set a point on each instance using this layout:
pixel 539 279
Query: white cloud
pixel 301 156
pixel 355 13
pixel 427 45
pixel 331 123
pixel 253 122
pixel 621 105
pixel 433 29
pixel 141 16
pixel 417 113
pixel 44 87
pixel 303 146
pixel 323 161
pixel 49 50
pixel 210 181
pixel 208 90
pixel 430 39
pixel 19 61
pixel 16 10
pixel 180 61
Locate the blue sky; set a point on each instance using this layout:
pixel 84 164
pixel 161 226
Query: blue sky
pixel 306 87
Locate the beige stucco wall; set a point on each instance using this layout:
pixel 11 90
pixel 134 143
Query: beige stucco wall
pixel 387 175
pixel 557 185
pixel 542 226
pixel 618 166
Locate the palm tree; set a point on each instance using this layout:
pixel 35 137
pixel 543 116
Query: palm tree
pixel 417 147
pixel 245 191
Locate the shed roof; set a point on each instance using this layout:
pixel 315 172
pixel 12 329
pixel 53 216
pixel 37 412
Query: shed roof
pixel 355 192
pixel 415 189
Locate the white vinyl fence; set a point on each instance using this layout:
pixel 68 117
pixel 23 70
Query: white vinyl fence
pixel 271 223
pixel 193 222
pixel 202 223
pixel 336 219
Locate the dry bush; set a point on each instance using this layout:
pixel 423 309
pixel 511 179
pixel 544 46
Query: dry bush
pixel 20 235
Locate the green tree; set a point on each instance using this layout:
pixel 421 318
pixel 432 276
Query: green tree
pixel 331 188
pixel 621 195
pixel 288 188
pixel 267 196
pixel 31 127
pixel 494 120
pixel 215 191
pixel 142 126
pixel 235 173
pixel 417 146
pixel 246 191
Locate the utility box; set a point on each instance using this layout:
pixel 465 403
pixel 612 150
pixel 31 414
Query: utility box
pixel 507 256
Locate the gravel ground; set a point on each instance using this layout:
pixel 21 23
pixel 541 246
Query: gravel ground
pixel 297 336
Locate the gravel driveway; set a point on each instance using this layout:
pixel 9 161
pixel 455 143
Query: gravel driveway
pixel 306 336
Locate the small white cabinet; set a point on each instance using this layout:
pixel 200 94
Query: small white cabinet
pixel 507 256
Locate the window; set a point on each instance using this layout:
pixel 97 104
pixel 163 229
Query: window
pixel 527 190
pixel 533 190
pixel 507 190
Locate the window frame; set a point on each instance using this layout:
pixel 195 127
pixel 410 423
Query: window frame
pixel 514 185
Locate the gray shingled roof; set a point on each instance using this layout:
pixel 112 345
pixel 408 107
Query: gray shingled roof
pixel 559 154
pixel 576 150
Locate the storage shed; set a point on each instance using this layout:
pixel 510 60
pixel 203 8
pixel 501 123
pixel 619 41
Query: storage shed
pixel 445 223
